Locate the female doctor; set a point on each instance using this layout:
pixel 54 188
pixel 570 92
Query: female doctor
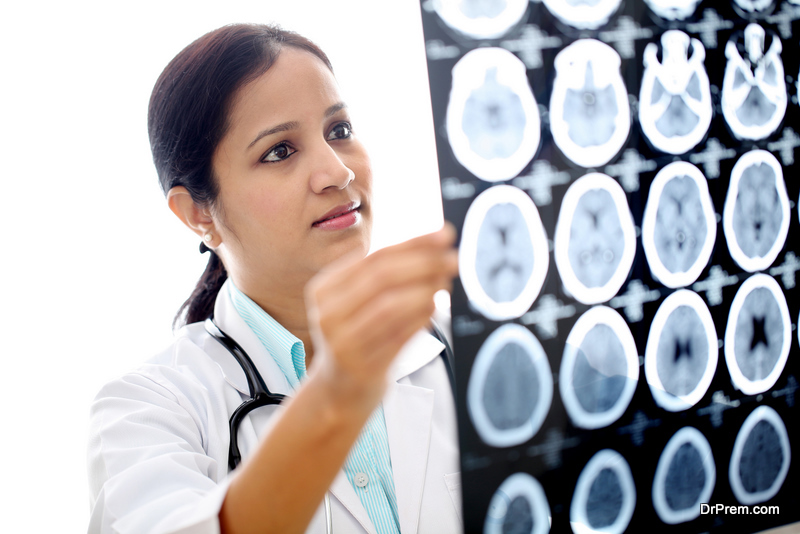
pixel 257 155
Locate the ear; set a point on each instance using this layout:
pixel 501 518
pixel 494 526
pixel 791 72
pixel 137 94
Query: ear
pixel 195 217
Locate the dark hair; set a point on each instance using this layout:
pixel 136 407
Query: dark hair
pixel 188 117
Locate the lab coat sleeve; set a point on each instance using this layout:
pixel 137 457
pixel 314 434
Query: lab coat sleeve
pixel 149 469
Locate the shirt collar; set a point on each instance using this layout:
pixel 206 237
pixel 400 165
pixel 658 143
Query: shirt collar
pixel 286 349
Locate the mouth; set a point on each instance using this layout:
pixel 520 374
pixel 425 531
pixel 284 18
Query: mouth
pixel 337 214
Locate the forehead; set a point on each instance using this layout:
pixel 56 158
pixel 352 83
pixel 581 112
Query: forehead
pixel 297 84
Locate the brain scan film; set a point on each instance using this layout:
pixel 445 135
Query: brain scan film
pixel 753 91
pixel 685 477
pixel 510 388
pixel 503 256
pixel 675 96
pixel 679 225
pixel 583 14
pixel 758 335
pixel 760 458
pixel 682 351
pixel 595 239
pixel 629 275
pixel 481 19
pixel 599 370
pixel 673 9
pixel 492 119
pixel 604 497
pixel 756 214
pixel 589 111
pixel 519 506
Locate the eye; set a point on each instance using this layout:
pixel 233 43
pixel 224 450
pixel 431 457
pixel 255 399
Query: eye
pixel 343 130
pixel 279 152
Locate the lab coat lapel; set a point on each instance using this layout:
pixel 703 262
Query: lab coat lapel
pixel 343 490
pixel 408 410
pixel 230 322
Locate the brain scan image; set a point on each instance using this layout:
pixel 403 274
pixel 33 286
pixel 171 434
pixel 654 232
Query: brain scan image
pixel 760 458
pixel 604 497
pixel 682 351
pixel 510 387
pixel 758 335
pixel 583 14
pixel 493 123
pixel 675 96
pixel 599 369
pixel 673 9
pixel 481 19
pixel 753 90
pixel 519 506
pixel 589 110
pixel 756 213
pixel 685 477
pixel 503 256
pixel 595 239
pixel 679 225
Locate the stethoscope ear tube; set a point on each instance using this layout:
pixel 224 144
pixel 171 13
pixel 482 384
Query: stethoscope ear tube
pixel 260 395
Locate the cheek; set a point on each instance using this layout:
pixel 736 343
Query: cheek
pixel 260 213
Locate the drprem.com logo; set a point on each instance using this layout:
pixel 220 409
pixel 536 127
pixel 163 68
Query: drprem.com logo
pixel 721 509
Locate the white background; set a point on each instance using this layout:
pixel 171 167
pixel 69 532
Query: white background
pixel 94 265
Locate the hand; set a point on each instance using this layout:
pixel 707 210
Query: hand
pixel 361 312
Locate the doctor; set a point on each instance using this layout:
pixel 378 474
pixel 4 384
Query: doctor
pixel 257 155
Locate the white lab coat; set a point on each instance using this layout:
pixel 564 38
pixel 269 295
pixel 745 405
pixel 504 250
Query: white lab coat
pixel 158 450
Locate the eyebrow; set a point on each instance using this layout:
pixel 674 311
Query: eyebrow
pixel 291 125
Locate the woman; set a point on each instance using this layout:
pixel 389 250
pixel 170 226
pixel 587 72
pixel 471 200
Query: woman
pixel 256 154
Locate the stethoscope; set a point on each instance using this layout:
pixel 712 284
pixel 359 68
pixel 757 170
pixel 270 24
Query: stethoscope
pixel 260 395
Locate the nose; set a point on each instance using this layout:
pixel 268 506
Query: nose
pixel 329 171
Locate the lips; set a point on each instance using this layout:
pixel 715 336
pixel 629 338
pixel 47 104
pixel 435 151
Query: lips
pixel 338 211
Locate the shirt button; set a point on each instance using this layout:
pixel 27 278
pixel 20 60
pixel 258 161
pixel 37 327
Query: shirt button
pixel 361 479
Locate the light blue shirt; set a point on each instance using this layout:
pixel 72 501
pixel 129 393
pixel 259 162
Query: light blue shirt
pixel 369 466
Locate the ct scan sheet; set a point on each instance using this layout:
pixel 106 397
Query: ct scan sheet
pixel 622 175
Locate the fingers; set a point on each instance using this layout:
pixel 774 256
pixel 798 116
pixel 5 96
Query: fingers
pixel 374 336
pixel 419 260
pixel 363 312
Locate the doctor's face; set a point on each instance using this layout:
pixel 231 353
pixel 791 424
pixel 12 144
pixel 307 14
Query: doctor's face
pixel 294 180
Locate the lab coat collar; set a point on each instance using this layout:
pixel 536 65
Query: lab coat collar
pixel 230 322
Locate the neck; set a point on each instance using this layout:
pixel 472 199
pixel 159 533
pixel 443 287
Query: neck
pixel 284 300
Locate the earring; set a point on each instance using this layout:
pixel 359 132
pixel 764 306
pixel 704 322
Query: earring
pixel 206 239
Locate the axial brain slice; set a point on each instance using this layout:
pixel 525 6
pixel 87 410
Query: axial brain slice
pixel 759 334
pixel 682 352
pixel 600 371
pixel 680 229
pixel 596 239
pixel 511 389
pixel 605 500
pixel 757 214
pixel 685 478
pixel 504 260
pixel 493 119
pixel 762 458
pixel 590 112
